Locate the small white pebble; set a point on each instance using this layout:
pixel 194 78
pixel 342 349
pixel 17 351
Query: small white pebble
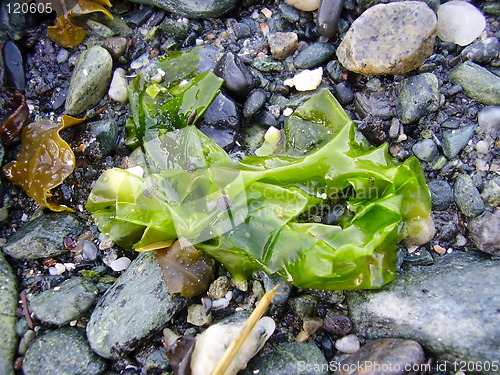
pixel 57 289
pixel 118 87
pixel 120 264
pixel 199 42
pixel 482 147
pixel 220 303
pixel 57 269
pixel 287 112
pixel 306 80
pixel 348 344
pixel 62 55
pixel 69 266
pixel 229 295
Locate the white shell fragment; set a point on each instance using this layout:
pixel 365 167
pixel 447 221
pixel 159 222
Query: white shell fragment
pixel 459 22
pixel 118 87
pixel 120 264
pixel 306 80
pixel 212 343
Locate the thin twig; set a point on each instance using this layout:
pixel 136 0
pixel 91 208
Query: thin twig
pixel 26 310
pixel 238 341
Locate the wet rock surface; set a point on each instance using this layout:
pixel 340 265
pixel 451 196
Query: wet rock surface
pixel 8 305
pixel 464 324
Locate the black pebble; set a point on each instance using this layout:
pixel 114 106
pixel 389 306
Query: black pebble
pixel 238 79
pixel 14 67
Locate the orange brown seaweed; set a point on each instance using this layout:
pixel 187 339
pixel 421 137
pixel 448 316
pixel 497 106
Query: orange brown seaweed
pixel 10 130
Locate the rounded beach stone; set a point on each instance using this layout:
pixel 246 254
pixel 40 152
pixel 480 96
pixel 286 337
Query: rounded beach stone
pixel 459 22
pixel 392 38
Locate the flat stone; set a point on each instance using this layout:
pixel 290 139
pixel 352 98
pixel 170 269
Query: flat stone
pixel 392 38
pixel 425 150
pixel 377 356
pixel 289 358
pixel 484 51
pixel 477 82
pixel 62 352
pixel 282 44
pixel 43 237
pixel 89 81
pixel 450 308
pixel 455 140
pixel 373 103
pixel 254 103
pixel 135 307
pixel 14 66
pixel 484 231
pixel 417 96
pixel 467 196
pixel 315 54
pixel 8 319
pixel 459 22
pixel 193 8
pixel 68 301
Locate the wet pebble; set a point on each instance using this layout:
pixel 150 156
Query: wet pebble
pixel 485 232
pixel 303 305
pixel 467 196
pixel 116 46
pixel 238 79
pixel 488 120
pixel 289 13
pixel 118 87
pixel 344 93
pixel 267 64
pixel 122 305
pixel 477 82
pixel 282 44
pixel 198 316
pixel 334 69
pixel 89 81
pixel 43 237
pixel 89 250
pixel 8 319
pixel 377 356
pixel 68 301
pixel 328 17
pixel 305 5
pixel 62 56
pixel 193 8
pixel 441 194
pixel 336 323
pixel 14 66
pixel 254 103
pixel 219 287
pixel 373 103
pixel 177 29
pixel 62 352
pixel 315 54
pixel 106 135
pixel 290 358
pixel 425 150
pixel 241 30
pixel 385 39
pixel 459 22
pixel 484 51
pixel 455 140
pixel 417 96
pixel 348 344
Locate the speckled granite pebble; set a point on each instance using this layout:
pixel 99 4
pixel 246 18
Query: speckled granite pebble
pixel 390 38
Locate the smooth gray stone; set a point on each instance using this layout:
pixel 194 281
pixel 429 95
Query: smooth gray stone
pixel 478 82
pixel 73 298
pixel 450 308
pixel 8 306
pixel 417 96
pixel 62 352
pixel 484 231
pixel 425 150
pixel 89 81
pixel 441 194
pixel 289 358
pixel 455 140
pixel 314 55
pixel 467 196
pixel 193 8
pixel 106 135
pixel 43 237
pixel 135 307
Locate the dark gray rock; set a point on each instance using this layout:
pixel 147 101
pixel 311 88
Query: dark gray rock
pixel 69 301
pixel 484 231
pixel 62 352
pixel 328 17
pixel 89 81
pixel 376 357
pixel 156 362
pixel 43 237
pixel 14 66
pixel 334 69
pixel 289 13
pixel 8 319
pixel 270 281
pixel 417 96
pixel 425 150
pixel 336 323
pixel 303 305
pixel 467 196
pixel 289 358
pixel 491 7
pixel 450 308
pixel 106 135
pixel 484 51
pixel 14 25
pixel 241 30
pixel 315 54
pixel 238 79
pixel 225 138
pixel 477 82
pixel 193 8
pixel 332 297
pixel 455 140
pixel 343 92
pixel 254 103
pixel 175 28
pixel 373 103
pixel 135 307
pixel 441 194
